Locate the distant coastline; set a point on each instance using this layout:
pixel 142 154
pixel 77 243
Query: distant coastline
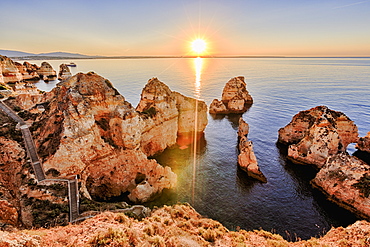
pixel 146 57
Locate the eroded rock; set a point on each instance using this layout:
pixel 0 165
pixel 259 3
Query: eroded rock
pixel 316 134
pixel 363 143
pixel 46 71
pixel 235 98
pixel 10 72
pixel 64 72
pixel 247 159
pixel 345 179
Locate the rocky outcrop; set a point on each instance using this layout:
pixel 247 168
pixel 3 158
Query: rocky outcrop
pixel 89 129
pixel 28 72
pixel 46 71
pixel 247 159
pixel 235 98
pixel 64 72
pixel 363 143
pixel 9 70
pixel 345 179
pixel 168 115
pixel 316 134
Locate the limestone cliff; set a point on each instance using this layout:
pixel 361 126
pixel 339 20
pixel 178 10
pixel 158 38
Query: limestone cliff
pixel 9 70
pixel 89 129
pixel 346 181
pixel 168 115
pixel 27 71
pixel 316 134
pixel 235 98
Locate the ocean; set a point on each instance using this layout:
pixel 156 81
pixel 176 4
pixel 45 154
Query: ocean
pixel 280 87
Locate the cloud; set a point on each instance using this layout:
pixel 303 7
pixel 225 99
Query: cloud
pixel 348 5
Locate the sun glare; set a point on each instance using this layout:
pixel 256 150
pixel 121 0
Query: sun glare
pixel 199 46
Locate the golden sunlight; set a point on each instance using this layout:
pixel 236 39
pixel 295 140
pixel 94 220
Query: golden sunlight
pixel 199 46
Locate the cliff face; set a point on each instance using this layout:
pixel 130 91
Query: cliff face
pixel 168 115
pixel 9 70
pixel 346 180
pixel 235 98
pixel 47 71
pixel 91 130
pixel 316 134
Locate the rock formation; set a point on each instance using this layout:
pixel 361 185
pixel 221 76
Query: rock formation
pixel 316 134
pixel 168 115
pixel 91 130
pixel 247 159
pixel 64 72
pixel 9 70
pixel 363 143
pixel 235 98
pixel 345 179
pixel 47 71
pixel 28 72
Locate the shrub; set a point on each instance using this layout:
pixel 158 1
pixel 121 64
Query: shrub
pixel 363 185
pixel 111 236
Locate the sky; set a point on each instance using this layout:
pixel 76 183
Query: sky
pixel 167 27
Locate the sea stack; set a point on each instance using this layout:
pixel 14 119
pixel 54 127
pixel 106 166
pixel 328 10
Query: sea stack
pixel 317 133
pixel 235 98
pixel 64 72
pixel 247 159
pixel 46 70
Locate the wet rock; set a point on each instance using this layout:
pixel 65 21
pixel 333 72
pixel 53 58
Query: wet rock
pixel 235 98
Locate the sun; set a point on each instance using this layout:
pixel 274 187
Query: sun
pixel 199 46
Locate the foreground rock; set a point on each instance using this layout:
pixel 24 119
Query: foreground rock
pixel 247 159
pixel 235 98
pixel 346 180
pixel 167 116
pixel 363 143
pixel 177 225
pixel 316 134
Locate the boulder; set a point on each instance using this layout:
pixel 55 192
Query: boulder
pixel 315 134
pixel 64 72
pixel 235 98
pixel 46 71
pixel 363 143
pixel 10 72
pixel 243 129
pixel 345 180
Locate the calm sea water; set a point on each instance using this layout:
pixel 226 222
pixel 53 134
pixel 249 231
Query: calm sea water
pixel 281 87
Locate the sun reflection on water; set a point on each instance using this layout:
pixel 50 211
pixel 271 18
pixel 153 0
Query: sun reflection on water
pixel 198 63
